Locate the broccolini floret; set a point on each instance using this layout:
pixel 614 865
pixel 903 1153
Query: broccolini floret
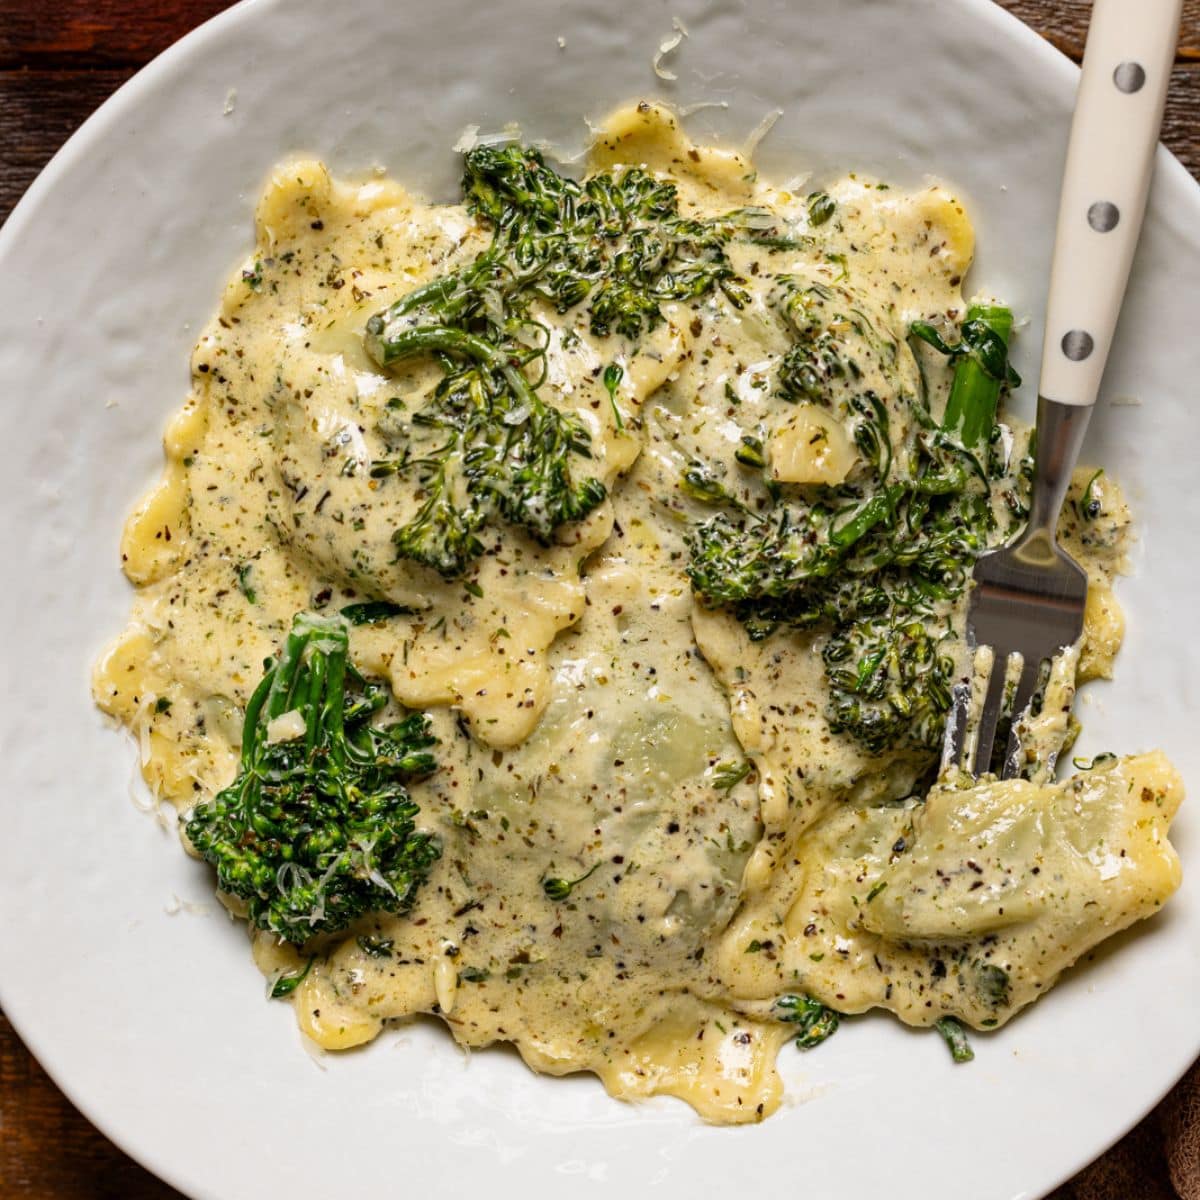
pixel 487 445
pixel 317 828
pixel 871 559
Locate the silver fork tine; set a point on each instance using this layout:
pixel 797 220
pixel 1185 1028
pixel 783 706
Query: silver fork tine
pixel 1030 669
pixel 990 715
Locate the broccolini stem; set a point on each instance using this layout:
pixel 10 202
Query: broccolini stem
pixel 280 698
pixel 332 689
pixel 866 516
pixel 251 730
pixel 955 1037
pixel 312 700
pixel 427 338
pixel 979 375
pixel 437 291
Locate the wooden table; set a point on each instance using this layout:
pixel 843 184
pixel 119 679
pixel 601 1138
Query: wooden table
pixel 57 63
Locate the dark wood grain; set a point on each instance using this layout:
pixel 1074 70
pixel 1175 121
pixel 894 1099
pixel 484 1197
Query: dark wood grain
pixel 1181 120
pixel 48 1151
pixel 58 61
pixel 39 110
pixel 81 34
pixel 1064 22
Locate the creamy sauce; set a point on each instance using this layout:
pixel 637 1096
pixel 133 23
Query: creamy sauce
pixel 591 714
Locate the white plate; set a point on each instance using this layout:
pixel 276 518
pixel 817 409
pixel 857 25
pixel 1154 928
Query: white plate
pixel 155 1025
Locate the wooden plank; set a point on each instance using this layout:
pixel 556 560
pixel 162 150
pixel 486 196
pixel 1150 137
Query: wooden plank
pixel 1181 120
pixel 39 110
pixel 99 33
pixel 48 1150
pixel 1064 22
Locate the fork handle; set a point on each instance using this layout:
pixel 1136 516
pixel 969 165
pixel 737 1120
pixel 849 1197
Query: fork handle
pixel 1118 113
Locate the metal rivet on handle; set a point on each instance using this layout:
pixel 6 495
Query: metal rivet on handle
pixel 1129 77
pixel 1103 216
pixel 1077 344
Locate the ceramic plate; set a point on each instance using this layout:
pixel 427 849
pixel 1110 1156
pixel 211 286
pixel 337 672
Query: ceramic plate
pixel 151 1016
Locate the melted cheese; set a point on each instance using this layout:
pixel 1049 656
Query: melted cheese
pixel 590 714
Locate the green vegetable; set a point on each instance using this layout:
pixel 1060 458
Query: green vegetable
pixel 867 562
pixel 487 445
pixel 1105 759
pixel 823 359
pixel 371 612
pixel 244 584
pixel 1090 504
pixel 981 370
pixel 726 776
pixel 821 206
pixel 557 888
pixel 500 451
pixel 700 483
pixel 613 375
pixel 750 452
pixel 814 1022
pixel 318 830
pixel 955 1037
pixel 993 983
pixel 285 985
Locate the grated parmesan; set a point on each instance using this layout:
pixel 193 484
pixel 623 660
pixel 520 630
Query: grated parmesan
pixel 700 105
pixel 760 131
pixel 666 46
pixel 286 727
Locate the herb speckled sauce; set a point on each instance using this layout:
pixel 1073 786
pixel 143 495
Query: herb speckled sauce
pixel 651 834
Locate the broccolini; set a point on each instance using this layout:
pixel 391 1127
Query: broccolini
pixel 870 560
pixel 488 444
pixel 317 828
pixel 814 1022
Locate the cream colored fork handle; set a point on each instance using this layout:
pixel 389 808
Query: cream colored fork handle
pixel 1118 112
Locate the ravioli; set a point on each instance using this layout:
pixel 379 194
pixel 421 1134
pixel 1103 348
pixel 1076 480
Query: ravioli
pixel 716 843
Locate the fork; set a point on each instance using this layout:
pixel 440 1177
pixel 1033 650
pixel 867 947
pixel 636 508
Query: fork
pixel 1028 598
